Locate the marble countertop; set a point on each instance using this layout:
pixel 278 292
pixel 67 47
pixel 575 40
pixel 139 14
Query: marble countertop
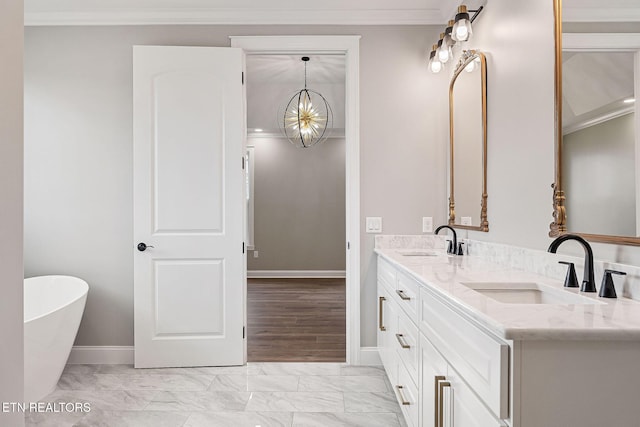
pixel 443 275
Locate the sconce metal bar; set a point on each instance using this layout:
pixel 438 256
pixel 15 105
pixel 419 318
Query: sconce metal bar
pixel 475 13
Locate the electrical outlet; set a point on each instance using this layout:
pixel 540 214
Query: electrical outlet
pixel 256 254
pixel 374 224
pixel 427 224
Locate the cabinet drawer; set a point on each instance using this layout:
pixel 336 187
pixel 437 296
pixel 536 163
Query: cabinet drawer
pixel 386 274
pixel 408 295
pixel 479 358
pixel 407 395
pixel 406 340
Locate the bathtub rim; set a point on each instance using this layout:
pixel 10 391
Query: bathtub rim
pixel 83 294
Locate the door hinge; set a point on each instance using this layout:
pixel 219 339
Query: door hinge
pixel 243 162
pixel 242 247
pixel 243 77
pixel 348 245
pixel 243 330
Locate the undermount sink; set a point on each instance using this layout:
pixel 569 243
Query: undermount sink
pixel 527 293
pixel 417 252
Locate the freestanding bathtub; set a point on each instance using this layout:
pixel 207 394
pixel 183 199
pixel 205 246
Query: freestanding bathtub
pixel 53 307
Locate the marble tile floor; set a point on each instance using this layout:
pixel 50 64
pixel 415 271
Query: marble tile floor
pixel 258 394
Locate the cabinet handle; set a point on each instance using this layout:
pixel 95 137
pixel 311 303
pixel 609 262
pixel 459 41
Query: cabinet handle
pixel 402 399
pixel 436 395
pixel 380 325
pixel 403 295
pixel 401 341
pixel 441 387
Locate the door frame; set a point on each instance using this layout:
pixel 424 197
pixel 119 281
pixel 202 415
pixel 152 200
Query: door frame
pixel 349 46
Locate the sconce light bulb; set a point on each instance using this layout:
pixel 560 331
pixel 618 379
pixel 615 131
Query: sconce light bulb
pixel 435 65
pixel 462 30
pixel 462 27
pixel 444 53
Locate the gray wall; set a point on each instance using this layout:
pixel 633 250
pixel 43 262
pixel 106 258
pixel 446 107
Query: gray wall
pixel 78 95
pixel 78 178
pixel 599 164
pixel 520 109
pixel 11 147
pixel 299 205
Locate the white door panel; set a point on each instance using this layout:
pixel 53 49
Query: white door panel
pixel 189 205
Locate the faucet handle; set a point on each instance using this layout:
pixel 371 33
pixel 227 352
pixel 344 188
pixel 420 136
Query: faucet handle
pixel 571 280
pixel 607 288
pixel 450 247
pixel 460 251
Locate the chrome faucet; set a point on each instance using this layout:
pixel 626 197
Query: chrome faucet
pixel 588 281
pixel 453 247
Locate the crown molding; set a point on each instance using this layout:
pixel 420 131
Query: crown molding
pixel 213 16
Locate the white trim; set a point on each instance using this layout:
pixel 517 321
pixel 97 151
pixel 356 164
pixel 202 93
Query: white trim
pixel 370 356
pixel 295 274
pixel 275 134
pixel 101 355
pixel 597 120
pixel 600 14
pixel 595 42
pixel 350 47
pixel 212 16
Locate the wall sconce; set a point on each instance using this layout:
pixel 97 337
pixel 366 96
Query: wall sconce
pixel 458 30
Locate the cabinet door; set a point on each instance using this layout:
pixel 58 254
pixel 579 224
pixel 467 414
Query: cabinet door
pixel 387 328
pixel 462 407
pixel 433 370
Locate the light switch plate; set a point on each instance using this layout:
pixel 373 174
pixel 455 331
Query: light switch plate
pixel 465 220
pixel 374 224
pixel 427 224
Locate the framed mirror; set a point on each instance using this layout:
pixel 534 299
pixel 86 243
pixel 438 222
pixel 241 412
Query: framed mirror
pixel 597 184
pixel 468 143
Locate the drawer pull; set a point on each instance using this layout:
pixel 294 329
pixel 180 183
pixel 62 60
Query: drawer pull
pixel 436 396
pixel 380 325
pixel 403 295
pixel 441 387
pixel 401 341
pixel 401 395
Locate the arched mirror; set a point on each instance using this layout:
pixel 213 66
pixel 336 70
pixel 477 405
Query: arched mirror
pixel 468 143
pixel 597 184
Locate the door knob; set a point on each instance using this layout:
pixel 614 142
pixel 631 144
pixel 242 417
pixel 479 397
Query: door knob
pixel 143 246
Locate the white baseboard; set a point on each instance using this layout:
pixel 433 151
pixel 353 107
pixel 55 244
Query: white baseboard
pixel 295 274
pixel 101 355
pixel 369 356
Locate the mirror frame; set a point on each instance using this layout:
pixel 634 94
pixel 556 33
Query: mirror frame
pixel 468 56
pixel 559 224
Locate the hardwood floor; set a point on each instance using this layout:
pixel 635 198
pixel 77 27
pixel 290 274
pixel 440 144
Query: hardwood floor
pixel 296 320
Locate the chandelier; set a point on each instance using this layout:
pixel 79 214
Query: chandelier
pixel 307 117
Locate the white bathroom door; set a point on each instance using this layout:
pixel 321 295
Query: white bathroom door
pixel 189 281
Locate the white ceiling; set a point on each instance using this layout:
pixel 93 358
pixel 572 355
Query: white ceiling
pixel 290 69
pixel 594 85
pixel 273 79
pixel 268 12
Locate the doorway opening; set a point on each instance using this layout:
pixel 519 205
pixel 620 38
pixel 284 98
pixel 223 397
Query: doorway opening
pixel 296 293
pixel 349 47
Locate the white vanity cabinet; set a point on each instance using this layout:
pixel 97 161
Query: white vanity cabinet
pixel 452 368
pixel 437 361
pixel 398 336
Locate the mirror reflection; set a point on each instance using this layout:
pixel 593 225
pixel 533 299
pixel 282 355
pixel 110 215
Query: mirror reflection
pixel 467 109
pixel 599 141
